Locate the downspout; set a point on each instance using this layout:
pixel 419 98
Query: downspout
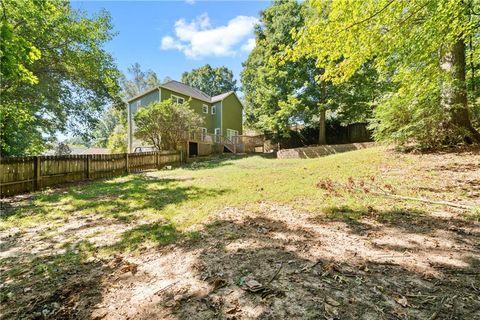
pixel 221 118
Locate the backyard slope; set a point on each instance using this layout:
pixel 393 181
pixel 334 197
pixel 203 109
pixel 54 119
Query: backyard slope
pixel 368 234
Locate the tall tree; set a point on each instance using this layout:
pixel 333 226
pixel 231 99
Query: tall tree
pixel 212 81
pixel 279 92
pixel 419 45
pixel 139 81
pixel 111 130
pixel 55 73
pixel 106 125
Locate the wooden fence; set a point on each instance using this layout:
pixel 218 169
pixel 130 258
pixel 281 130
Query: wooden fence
pixel 25 174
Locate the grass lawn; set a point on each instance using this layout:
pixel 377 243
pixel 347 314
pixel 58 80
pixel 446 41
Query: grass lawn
pixel 174 242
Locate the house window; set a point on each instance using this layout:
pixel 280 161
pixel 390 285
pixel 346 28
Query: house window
pixel 214 109
pixel 205 108
pixel 139 103
pixel 177 99
pixel 217 135
pixel 203 134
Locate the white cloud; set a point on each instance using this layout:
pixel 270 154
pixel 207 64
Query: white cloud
pixel 198 38
pixel 249 45
pixel 192 2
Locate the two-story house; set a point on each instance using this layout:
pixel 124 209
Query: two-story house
pixel 222 114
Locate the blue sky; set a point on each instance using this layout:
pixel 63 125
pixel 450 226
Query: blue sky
pixel 170 37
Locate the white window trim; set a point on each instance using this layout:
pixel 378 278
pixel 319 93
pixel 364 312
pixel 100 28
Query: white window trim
pixel 205 108
pixel 218 133
pixel 214 109
pixel 174 97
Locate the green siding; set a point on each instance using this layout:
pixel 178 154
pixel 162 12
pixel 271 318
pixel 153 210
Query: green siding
pixel 229 112
pixel 217 123
pixel 232 114
pixel 195 104
pixel 144 100
pixel 133 107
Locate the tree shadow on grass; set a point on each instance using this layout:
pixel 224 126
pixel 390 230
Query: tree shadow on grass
pixel 119 198
pixel 302 279
pixel 59 286
pixel 211 163
pixel 308 269
pixel 49 280
pixel 410 220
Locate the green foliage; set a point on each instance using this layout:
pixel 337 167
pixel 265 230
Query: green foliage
pixel 164 124
pixel 139 82
pixel 212 81
pixel 62 149
pixel 406 40
pixel 117 140
pixel 55 73
pixel 280 92
pixel 111 129
pixel 106 125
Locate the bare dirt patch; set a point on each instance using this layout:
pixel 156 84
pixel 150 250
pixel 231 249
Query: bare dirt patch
pixel 274 262
pixel 281 264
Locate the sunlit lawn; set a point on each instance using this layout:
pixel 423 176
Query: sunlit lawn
pixel 56 233
pixel 184 197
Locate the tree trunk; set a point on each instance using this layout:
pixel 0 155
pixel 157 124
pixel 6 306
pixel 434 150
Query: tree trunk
pixel 454 90
pixel 322 137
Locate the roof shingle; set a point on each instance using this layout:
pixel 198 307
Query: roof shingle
pixel 186 90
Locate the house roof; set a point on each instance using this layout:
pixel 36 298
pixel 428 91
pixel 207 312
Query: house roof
pixel 187 90
pixel 220 97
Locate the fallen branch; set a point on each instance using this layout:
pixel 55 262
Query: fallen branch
pixel 333 188
pixel 444 203
pixel 275 274
pixel 166 287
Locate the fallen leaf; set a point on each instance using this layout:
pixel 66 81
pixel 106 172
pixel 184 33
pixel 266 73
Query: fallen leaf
pixel 332 302
pixel 253 285
pixel 402 301
pixel 331 311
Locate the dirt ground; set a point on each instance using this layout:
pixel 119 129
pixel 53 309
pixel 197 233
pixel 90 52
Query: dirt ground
pixel 274 263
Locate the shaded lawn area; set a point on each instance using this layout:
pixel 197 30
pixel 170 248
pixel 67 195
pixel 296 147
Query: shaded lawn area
pixel 187 242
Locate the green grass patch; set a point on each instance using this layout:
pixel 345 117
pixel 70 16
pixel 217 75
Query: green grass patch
pixel 171 201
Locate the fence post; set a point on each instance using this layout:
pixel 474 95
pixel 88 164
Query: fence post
pixel 89 166
pixel 37 175
pixel 127 165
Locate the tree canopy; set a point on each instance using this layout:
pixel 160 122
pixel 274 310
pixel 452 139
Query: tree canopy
pixel 55 73
pixel 418 46
pixel 111 129
pixel 139 81
pixel 164 124
pixel 280 92
pixel 212 81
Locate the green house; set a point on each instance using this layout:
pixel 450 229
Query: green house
pixel 222 116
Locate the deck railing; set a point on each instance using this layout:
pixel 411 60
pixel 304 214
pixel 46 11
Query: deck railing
pixel 233 143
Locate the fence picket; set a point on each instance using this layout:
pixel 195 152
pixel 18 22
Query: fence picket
pixel 25 174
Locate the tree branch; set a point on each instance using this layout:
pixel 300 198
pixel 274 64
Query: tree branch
pixel 370 17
